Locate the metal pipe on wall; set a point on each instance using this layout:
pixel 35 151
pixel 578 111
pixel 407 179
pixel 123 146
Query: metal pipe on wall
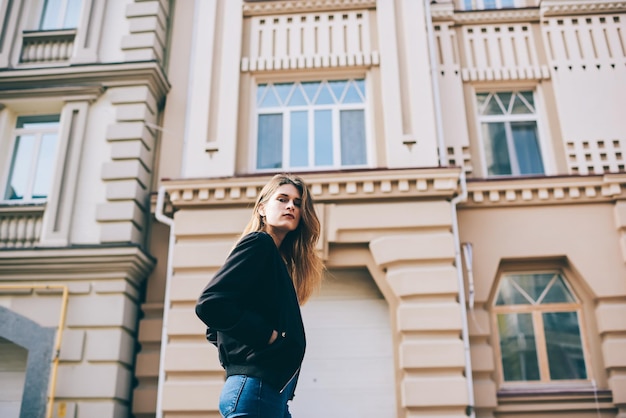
pixel 160 216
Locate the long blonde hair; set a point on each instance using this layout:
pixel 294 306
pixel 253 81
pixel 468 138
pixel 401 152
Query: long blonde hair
pixel 298 247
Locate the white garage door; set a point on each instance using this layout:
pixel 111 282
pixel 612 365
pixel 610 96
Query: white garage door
pixel 12 376
pixel 348 370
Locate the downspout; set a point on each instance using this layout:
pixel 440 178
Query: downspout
pixel 461 283
pixel 434 75
pixel 160 216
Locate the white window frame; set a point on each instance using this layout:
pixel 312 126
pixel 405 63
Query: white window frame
pixel 38 133
pixel 544 148
pixel 335 108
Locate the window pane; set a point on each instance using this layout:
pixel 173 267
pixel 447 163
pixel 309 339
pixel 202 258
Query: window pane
pixel 489 4
pixel 297 98
pixel 283 90
pixel 310 88
pixel 565 352
pixel 533 284
pixel 72 14
pixel 338 87
pixel 21 167
pixel 324 96
pixel 520 108
pixel 299 148
pixel 270 141
pixel 496 149
pixel 507 3
pixel 352 137
pixel 323 137
pixel 494 106
pixel 509 294
pixel 505 98
pixel 527 147
pixel 45 166
pixel 558 293
pixel 38 122
pixel 50 15
pixel 517 345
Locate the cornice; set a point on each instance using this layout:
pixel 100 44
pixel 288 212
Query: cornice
pixel 303 6
pixel 578 7
pixel 325 187
pixel 75 263
pixel 475 17
pixel 25 80
pixel 545 191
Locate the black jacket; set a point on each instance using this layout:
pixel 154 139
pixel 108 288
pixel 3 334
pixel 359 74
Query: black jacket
pixel 249 297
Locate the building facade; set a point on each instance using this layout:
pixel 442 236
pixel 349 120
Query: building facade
pixel 467 162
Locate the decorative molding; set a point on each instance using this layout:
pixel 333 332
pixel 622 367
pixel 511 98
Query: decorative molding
pixel 474 17
pixel 67 92
pixel 546 191
pixel 498 74
pixel 578 7
pixel 106 75
pixel 303 6
pixel 325 187
pixel 76 263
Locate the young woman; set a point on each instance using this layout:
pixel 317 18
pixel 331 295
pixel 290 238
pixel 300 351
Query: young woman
pixel 251 307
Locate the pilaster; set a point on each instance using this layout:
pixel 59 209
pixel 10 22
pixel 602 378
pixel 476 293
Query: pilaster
pixel 420 269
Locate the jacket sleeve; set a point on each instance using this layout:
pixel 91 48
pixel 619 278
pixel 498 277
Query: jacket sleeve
pixel 222 304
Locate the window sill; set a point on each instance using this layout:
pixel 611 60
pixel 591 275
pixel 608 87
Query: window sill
pixel 583 391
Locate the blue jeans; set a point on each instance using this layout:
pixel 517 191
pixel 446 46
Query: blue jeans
pixel 249 397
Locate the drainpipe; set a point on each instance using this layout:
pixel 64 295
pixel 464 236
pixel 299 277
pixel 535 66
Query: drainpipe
pixel 434 75
pixel 459 273
pixel 160 216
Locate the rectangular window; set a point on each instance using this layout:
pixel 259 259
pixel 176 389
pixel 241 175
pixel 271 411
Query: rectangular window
pixel 32 161
pixel 308 125
pixel 60 14
pixel 508 125
pixel 488 4
pixel 538 325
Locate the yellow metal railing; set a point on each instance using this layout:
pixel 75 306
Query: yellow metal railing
pixel 59 336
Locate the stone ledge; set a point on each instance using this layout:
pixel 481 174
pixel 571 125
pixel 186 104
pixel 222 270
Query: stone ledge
pixel 325 187
pixel 75 263
pixel 303 6
pixel 545 191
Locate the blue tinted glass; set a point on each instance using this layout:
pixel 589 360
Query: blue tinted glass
pixel 298 141
pixel 72 15
pixel 338 86
pixel 45 166
pixel 20 168
pixel 527 147
pixel 297 98
pixel 353 150
pixel 352 95
pixel 50 15
pixel 324 97
pixel 270 141
pixel 360 84
pixel 496 149
pixel 283 90
pixel 507 3
pixel 270 99
pixel 468 4
pixel 310 88
pixel 323 138
pixel 489 4
pixel 261 89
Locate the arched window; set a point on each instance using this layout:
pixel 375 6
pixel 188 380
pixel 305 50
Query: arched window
pixel 538 321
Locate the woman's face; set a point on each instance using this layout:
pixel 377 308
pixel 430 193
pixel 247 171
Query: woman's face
pixel 282 210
